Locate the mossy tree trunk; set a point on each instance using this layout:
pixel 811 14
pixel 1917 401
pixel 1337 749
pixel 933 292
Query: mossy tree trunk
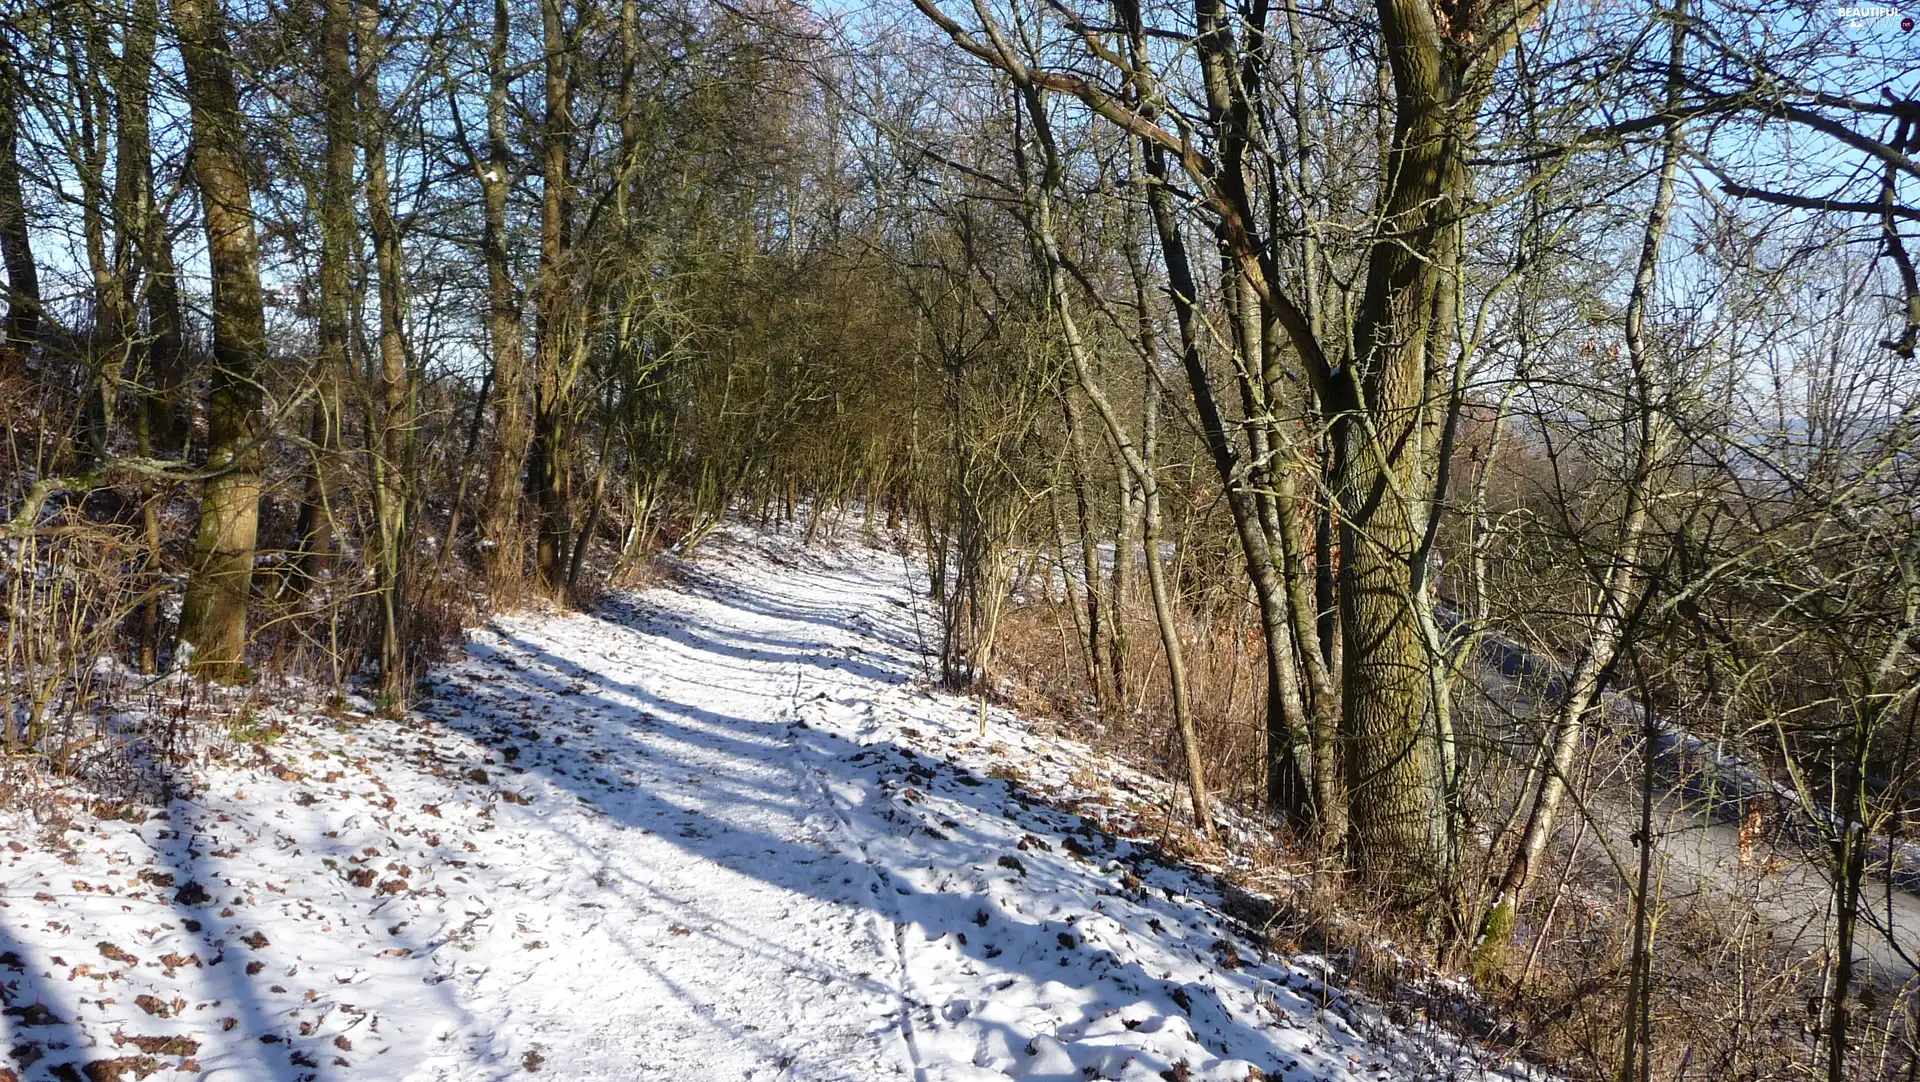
pixel 213 621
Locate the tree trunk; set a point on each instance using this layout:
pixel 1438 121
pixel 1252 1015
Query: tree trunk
pixel 213 621
pixel 166 338
pixel 1609 620
pixel 390 448
pixel 88 54
pixel 1092 581
pixel 1287 791
pixel 500 523
pixel 1138 463
pixel 1163 615
pixel 16 249
pixel 1385 427
pixel 549 466
pixel 1127 511
pixel 133 236
pixel 337 241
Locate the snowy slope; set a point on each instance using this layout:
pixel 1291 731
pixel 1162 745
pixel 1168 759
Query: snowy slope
pixel 718 830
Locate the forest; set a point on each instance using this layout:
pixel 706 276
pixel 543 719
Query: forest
pixel 1463 448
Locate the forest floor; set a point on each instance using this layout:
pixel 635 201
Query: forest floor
pixel 717 829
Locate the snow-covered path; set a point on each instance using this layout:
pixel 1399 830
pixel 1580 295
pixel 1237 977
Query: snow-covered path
pixel 718 830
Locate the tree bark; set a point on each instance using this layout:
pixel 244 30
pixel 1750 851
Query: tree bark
pixel 1385 428
pixel 166 337
pixel 16 248
pixel 213 621
pixel 1163 616
pixel 337 241
pixel 1092 582
pixel 549 466
pixel 500 522
pixel 390 446
pixel 132 256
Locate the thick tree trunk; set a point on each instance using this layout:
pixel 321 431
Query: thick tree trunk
pixel 213 622
pixel 549 466
pixel 1387 418
pixel 16 248
pixel 500 519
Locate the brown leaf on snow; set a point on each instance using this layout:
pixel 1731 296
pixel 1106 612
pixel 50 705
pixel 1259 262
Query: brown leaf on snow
pixel 154 1005
pixel 431 809
pixel 109 951
pixel 256 940
pixel 191 893
pixel 114 1070
pixel 159 1046
pixel 175 961
pixel 342 1043
pixel 393 886
pixel 362 877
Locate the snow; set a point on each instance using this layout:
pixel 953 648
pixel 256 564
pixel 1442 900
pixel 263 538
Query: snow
pixel 720 829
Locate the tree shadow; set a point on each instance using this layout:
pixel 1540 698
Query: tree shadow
pixel 186 917
pixel 993 852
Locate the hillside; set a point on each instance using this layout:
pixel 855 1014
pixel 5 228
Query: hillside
pixel 719 829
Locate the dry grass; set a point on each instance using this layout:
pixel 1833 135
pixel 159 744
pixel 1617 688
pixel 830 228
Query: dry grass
pixel 1729 1003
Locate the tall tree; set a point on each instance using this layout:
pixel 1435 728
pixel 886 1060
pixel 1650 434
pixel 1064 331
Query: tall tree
pixel 559 336
pixel 505 331
pixel 390 421
pixel 336 226
pixel 213 621
pixel 16 247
